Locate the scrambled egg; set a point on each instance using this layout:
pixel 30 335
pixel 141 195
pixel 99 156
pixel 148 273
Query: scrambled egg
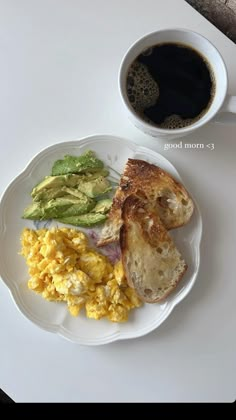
pixel 62 267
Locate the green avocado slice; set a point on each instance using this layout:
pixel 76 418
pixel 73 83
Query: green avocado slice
pixel 49 210
pixel 87 162
pixel 85 220
pixel 58 207
pixel 95 187
pixel 103 206
pixel 50 182
pixel 69 180
pixel 74 192
pixel 34 212
pixel 78 209
pixel 48 194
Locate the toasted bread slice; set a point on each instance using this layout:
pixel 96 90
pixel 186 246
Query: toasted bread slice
pixel 165 194
pixel 152 264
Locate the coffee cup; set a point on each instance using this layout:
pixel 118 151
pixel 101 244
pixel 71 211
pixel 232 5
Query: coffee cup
pixel 220 101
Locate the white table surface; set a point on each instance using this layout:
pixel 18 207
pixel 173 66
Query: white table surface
pixel 58 81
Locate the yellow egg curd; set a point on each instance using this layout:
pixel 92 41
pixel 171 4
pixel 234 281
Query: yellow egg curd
pixel 63 267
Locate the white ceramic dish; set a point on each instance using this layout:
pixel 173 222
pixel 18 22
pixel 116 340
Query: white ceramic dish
pixel 54 317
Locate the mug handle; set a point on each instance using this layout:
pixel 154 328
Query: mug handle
pixel 227 113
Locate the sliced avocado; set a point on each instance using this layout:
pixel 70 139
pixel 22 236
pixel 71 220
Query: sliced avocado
pixel 70 199
pixel 44 211
pixel 85 220
pixel 77 209
pixel 74 192
pixel 62 205
pixel 56 182
pixel 69 180
pixel 87 162
pixel 80 202
pixel 102 206
pixel 70 194
pixel 101 172
pixel 33 212
pixel 57 207
pixel 95 187
pixel 50 193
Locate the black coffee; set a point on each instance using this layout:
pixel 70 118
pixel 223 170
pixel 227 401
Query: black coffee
pixel 170 85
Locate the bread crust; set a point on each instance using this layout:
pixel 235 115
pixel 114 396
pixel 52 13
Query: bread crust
pixel 166 195
pixel 138 218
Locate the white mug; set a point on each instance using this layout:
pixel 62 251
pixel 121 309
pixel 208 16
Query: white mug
pixel 220 103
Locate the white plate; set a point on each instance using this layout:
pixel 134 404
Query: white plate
pixel 54 317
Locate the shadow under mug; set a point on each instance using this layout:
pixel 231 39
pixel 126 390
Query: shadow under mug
pixel 221 103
